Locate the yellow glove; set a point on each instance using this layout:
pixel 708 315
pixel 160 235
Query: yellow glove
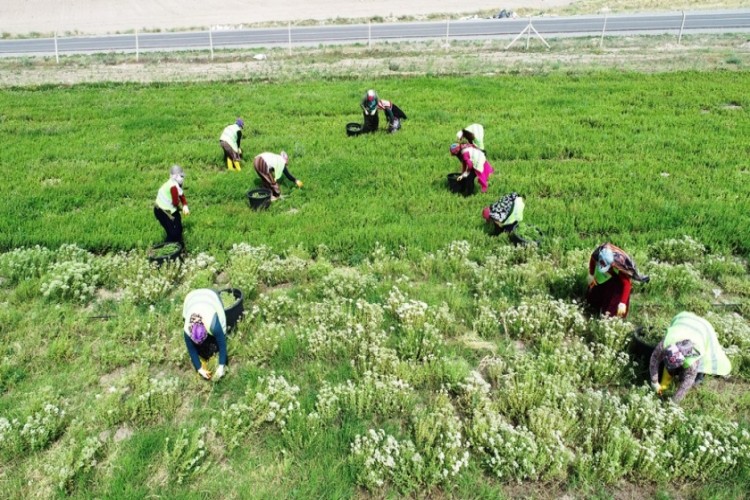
pixel 299 184
pixel 621 309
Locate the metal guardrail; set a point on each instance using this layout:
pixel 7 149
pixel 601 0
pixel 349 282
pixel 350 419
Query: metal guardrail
pixel 675 23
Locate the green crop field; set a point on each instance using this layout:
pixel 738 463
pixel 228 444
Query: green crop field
pixel 391 346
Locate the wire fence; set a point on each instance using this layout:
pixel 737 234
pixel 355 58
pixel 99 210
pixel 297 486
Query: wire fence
pixel 541 28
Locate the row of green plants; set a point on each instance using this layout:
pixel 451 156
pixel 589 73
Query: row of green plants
pixel 413 372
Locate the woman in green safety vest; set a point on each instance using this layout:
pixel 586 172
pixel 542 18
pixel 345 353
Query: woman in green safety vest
pixel 167 205
pixel 270 167
pixel 230 140
pixel 205 324
pixel 689 349
pixel 506 212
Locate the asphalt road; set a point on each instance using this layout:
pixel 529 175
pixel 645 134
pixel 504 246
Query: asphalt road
pixel 550 27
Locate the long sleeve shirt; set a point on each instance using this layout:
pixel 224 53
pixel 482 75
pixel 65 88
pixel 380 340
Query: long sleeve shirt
pixel 686 379
pixel 218 333
pixel 178 196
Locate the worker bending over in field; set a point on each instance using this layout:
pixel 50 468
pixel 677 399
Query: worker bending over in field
pixel 610 273
pixel 230 140
pixel 205 324
pixel 506 212
pixel 473 164
pixel 371 104
pixel 689 349
pixel 473 134
pixel 270 167
pixel 167 206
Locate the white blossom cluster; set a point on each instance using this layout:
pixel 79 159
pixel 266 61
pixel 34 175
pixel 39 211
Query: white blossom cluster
pixel 70 280
pixel 157 399
pixel 674 280
pixel 187 456
pixel 373 394
pixel 677 251
pixel 271 405
pixel 79 458
pixel 25 263
pixel 339 326
pixel 544 322
pixel 37 431
pixel 347 283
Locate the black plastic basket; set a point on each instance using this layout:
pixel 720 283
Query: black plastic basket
pixel 259 199
pixel 353 129
pixel 234 312
pixel 155 255
pixel 464 186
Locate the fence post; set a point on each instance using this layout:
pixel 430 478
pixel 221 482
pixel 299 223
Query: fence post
pixel 528 35
pixel 57 56
pixel 601 40
pixel 447 31
pixel 289 31
pixel 682 26
pixel 136 45
pixel 211 41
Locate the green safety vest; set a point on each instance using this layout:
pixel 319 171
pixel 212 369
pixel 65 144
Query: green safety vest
pixel 164 196
pixel 516 215
pixel 229 135
pixel 276 162
pixel 601 277
pixel 478 132
pixel 687 326
pixel 207 303
pixel 477 159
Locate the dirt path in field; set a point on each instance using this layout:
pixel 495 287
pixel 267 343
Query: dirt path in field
pixel 111 16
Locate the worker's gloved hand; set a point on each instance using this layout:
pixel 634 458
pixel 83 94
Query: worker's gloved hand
pixel 621 309
pixel 656 387
pixel 239 151
pixel 590 281
pixel 219 372
pixel 462 177
pixel 204 373
pixel 299 183
pixel 185 210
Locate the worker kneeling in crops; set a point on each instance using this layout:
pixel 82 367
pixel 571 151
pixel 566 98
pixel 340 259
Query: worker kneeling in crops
pixel 205 324
pixel 473 134
pixel 167 205
pixel 610 273
pixel 270 167
pixel 506 212
pixel 371 104
pixel 689 349
pixel 230 140
pixel 474 164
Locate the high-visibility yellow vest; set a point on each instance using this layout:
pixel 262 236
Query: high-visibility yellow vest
pixel 207 303
pixel 711 356
pixel 229 135
pixel 164 196
pixel 275 161
pixel 477 159
pixel 478 132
